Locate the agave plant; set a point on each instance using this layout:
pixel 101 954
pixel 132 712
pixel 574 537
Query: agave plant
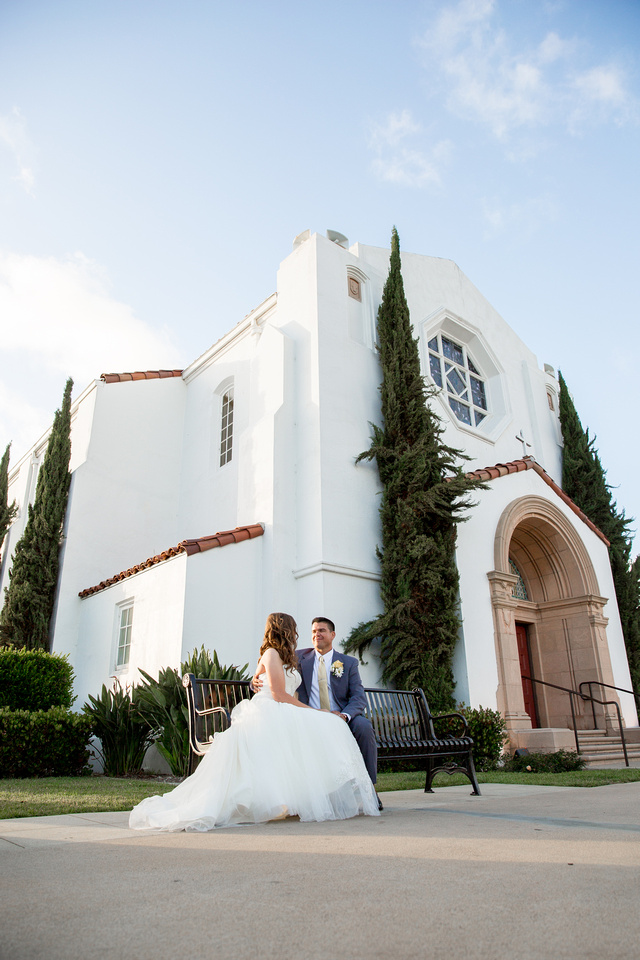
pixel 163 704
pixel 124 734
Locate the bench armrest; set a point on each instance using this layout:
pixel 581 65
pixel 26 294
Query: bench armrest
pixel 451 716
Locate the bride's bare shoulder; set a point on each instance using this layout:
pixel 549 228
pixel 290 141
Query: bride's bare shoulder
pixel 270 656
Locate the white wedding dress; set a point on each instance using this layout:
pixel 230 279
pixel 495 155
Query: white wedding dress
pixel 275 760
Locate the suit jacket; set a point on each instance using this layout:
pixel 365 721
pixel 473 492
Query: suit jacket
pixel 347 690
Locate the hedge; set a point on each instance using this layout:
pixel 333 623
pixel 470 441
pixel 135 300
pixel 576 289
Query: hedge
pixel 34 680
pixel 43 743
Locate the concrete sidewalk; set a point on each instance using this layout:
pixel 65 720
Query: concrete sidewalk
pixel 521 872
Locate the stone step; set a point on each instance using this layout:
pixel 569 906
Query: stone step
pixel 596 747
pixel 604 744
pixel 601 757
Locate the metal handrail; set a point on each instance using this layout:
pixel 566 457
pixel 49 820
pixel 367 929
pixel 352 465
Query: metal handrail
pixel 610 686
pixel 585 697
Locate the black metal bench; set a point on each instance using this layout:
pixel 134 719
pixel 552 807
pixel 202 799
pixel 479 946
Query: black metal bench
pixel 406 729
pixel 403 725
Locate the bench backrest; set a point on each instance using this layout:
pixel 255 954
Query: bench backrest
pixel 210 703
pixel 401 719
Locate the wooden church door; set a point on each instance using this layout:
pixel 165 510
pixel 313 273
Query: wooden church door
pixel 525 671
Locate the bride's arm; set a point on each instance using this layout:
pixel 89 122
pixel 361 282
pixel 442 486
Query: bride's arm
pixel 275 678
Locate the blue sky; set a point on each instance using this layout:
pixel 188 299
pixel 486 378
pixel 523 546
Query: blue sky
pixel 157 160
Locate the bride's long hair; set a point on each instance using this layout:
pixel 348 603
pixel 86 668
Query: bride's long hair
pixel 281 633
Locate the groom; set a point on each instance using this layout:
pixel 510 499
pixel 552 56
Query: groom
pixel 341 684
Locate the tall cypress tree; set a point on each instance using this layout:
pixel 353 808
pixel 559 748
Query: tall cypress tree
pixel 30 596
pixel 423 497
pixel 584 480
pixel 7 510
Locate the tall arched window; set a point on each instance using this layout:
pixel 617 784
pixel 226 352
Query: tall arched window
pixel 226 426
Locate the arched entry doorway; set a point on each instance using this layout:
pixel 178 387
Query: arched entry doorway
pixel 548 617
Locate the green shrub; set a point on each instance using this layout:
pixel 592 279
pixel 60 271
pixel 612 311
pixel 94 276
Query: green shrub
pixel 558 762
pixel 34 680
pixel 123 732
pixel 163 703
pixel 488 730
pixel 43 743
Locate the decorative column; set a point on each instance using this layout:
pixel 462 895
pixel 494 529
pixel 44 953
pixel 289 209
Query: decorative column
pixel 510 697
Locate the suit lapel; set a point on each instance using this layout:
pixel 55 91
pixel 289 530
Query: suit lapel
pixel 306 669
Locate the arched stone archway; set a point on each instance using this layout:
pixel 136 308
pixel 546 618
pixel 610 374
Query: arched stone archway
pixel 562 613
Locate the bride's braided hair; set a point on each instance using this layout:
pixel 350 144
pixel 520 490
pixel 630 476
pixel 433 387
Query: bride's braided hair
pixel 281 633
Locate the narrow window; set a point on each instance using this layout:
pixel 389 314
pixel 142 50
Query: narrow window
pixel 226 430
pixel 124 636
pixel 519 588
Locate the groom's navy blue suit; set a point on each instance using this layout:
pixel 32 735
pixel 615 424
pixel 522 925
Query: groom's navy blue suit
pixel 348 695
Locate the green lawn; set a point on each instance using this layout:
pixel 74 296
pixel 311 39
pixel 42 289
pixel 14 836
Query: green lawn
pixel 50 796
pixel 56 795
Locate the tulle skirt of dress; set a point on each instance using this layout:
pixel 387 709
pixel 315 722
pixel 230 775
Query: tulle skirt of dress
pixel 275 760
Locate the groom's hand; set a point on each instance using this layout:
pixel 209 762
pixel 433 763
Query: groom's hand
pixel 343 715
pixel 256 684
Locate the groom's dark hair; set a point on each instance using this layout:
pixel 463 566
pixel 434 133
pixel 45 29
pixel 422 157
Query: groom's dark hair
pixel 326 620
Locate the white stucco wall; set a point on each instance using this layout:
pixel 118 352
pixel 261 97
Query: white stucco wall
pixel 158 596
pixel 434 286
pixel 123 502
pixel 224 608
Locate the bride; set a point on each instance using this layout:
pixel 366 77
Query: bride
pixel 278 758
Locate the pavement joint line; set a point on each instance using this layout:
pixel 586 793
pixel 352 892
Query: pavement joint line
pixel 13 843
pixel 552 821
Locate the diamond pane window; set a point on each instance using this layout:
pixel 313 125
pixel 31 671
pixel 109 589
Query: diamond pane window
pixel 465 386
pixel 477 392
pixel 519 588
pixel 461 410
pixel 452 351
pixel 456 383
pixel 434 366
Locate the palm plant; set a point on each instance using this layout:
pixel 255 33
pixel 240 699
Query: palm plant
pixel 163 704
pixel 123 732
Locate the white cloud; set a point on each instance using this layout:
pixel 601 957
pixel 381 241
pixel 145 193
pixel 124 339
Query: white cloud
pixel 395 128
pixel 488 79
pixel 58 319
pixel 13 135
pixel 397 162
pixel 522 220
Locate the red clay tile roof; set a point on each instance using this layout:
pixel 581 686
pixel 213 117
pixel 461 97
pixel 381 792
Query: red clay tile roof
pixel 140 375
pixel 528 463
pixel 185 546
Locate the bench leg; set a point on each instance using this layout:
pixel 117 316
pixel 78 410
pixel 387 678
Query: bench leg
pixel 471 773
pixel 429 776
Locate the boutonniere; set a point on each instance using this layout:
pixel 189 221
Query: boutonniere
pixel 337 668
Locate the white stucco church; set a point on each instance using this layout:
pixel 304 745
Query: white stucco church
pixel 204 498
